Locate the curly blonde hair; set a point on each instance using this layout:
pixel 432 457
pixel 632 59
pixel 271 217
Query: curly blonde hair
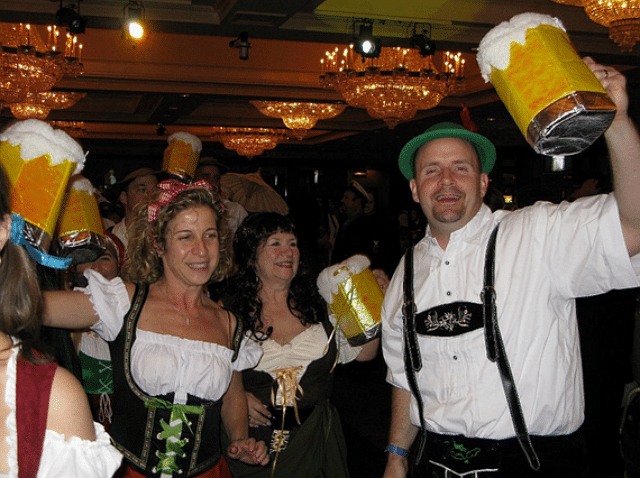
pixel 142 263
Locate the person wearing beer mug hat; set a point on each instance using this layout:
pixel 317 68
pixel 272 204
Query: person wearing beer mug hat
pixel 515 403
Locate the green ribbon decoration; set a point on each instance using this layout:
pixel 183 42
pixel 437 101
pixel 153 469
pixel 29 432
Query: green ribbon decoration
pixel 172 431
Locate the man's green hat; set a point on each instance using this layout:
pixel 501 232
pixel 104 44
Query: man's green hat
pixel 485 148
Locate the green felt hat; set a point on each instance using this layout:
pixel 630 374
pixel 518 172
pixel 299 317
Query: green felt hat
pixel 485 148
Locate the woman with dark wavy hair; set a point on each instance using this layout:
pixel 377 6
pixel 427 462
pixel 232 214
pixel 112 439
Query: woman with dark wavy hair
pixel 288 391
pixel 177 355
pixel 49 430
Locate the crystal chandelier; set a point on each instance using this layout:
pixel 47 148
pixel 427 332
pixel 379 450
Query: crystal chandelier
pixel 29 65
pixel 299 117
pixel 38 105
pixel 248 142
pixel 394 86
pixel 622 17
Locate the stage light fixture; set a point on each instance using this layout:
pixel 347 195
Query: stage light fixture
pixel 71 19
pixel 242 43
pixel 424 44
pixel 366 44
pixel 133 18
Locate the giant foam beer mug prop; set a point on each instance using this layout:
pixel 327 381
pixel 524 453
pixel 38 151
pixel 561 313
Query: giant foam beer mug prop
pixel 181 156
pixel 80 231
pixel 552 95
pixel 39 161
pixel 354 297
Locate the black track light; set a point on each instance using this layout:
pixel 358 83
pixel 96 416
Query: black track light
pixel 426 46
pixel 242 43
pixel 70 18
pixel 133 21
pixel 366 44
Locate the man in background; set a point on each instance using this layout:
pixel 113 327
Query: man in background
pixel 212 170
pixel 135 188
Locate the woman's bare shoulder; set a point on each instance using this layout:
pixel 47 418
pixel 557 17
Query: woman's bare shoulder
pixel 69 411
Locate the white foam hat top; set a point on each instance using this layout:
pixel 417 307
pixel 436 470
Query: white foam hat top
pixel 494 49
pixel 37 138
pixel 193 140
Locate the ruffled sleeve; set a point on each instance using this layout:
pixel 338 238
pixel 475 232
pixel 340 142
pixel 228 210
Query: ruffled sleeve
pixel 249 355
pixel 111 302
pixel 77 458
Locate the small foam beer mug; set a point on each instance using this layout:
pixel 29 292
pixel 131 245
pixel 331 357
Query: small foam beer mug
pixel 181 156
pixel 39 161
pixel 354 297
pixel 557 102
pixel 80 231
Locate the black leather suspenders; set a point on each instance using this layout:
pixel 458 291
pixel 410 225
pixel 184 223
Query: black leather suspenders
pixel 494 345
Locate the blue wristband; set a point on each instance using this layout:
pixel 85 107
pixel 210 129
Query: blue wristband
pixel 396 450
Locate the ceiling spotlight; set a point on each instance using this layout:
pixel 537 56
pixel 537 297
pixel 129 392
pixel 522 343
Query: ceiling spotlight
pixel 423 43
pixel 70 18
pixel 366 44
pixel 132 20
pixel 242 43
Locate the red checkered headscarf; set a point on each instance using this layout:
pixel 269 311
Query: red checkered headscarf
pixel 170 189
pixel 117 244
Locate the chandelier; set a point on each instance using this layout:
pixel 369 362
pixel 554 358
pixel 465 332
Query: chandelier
pixel 248 142
pixel 38 105
pixel 394 86
pixel 75 129
pixel 29 65
pixel 299 117
pixel 622 17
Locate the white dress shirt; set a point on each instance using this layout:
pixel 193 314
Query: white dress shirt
pixel 546 255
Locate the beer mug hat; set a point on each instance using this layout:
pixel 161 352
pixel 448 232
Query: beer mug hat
pixel 485 148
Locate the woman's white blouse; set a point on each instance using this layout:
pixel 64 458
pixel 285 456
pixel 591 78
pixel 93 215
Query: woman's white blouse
pixel 161 364
pixel 61 458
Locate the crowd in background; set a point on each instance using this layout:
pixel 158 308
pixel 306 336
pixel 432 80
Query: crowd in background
pixel 204 345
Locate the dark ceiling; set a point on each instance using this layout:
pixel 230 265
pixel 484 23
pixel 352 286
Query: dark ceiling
pixel 185 77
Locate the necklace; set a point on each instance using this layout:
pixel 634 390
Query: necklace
pixel 187 319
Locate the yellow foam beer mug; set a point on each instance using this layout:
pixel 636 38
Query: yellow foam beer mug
pixel 39 161
pixel 354 297
pixel 80 230
pixel 555 99
pixel 181 155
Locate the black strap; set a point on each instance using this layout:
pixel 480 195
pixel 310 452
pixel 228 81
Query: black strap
pixel 411 354
pixel 497 353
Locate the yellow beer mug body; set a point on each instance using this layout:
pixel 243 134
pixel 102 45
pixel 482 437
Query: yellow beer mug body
pixel 555 99
pixel 354 297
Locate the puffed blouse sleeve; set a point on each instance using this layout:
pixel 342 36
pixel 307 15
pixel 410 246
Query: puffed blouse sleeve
pixel 110 301
pixel 249 355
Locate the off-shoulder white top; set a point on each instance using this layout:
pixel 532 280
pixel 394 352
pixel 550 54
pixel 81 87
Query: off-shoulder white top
pixel 163 364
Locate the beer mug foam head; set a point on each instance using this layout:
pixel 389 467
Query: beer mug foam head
pixel 557 102
pixel 39 161
pixel 182 154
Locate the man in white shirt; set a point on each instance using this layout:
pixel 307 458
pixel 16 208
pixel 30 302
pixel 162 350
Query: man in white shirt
pixel 546 256
pixel 136 187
